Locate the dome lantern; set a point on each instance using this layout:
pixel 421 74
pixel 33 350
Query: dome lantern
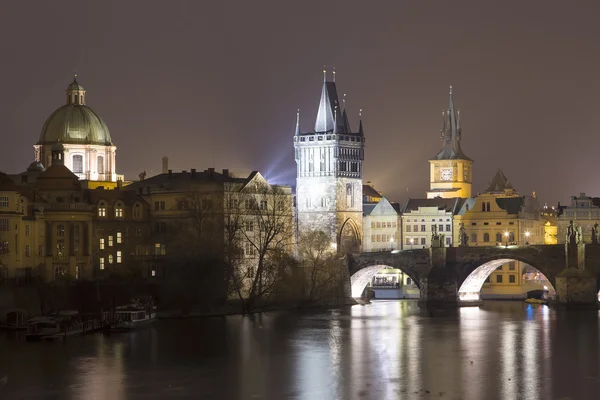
pixel 75 93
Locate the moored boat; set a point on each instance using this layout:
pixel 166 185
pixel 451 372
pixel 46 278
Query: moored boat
pixel 14 320
pixel 132 316
pixel 60 325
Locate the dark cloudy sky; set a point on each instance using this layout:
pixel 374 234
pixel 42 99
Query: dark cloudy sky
pixel 197 80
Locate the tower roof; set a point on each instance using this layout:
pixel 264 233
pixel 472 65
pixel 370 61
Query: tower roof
pixel 451 134
pixel 499 183
pixel 329 108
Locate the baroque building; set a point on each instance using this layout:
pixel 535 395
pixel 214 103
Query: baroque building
pixel 451 173
pixel 329 162
pixel 89 151
pixel 54 228
pixel 381 226
pixel 584 211
pixel 501 217
pixel 423 217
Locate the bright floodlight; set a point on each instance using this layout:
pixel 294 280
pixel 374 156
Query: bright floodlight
pixel 527 234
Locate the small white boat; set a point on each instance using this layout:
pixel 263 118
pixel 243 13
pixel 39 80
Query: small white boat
pixel 132 316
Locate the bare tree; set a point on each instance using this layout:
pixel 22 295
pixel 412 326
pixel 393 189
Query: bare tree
pixel 322 268
pixel 266 236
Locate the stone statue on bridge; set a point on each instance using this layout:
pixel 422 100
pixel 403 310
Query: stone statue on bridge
pixel 574 234
pixel 437 239
pixel 595 234
pixel 462 236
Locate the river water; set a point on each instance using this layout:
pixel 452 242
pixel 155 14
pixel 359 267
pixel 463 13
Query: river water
pixel 385 350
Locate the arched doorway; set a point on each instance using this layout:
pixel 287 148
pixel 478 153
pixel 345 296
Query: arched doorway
pixel 384 278
pixel 349 237
pixel 503 279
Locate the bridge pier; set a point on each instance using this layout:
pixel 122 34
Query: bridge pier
pixel 576 285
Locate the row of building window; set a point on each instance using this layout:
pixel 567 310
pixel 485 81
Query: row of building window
pixel 440 227
pixel 423 241
pixel 382 238
pixel 111 259
pixel 78 164
pixel 4 227
pixel 499 279
pixel 499 237
pixel 487 223
pixel 432 220
pixel 4 202
pixel 111 241
pixel 383 225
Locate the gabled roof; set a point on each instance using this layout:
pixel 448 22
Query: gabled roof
pixel 499 183
pixel 127 197
pixel 448 204
pixel 383 207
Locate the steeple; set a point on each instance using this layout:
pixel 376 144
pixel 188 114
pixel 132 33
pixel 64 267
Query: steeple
pixel 328 106
pixel 451 134
pixel 75 92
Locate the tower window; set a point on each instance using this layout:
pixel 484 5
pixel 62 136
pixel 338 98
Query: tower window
pixel 100 164
pixel 78 164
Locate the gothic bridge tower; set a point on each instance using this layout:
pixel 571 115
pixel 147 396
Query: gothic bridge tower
pixel 329 173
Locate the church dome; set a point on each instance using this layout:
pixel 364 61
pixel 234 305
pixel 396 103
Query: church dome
pixel 75 123
pixel 36 166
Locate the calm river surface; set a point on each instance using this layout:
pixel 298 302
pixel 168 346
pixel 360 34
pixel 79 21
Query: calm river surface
pixel 385 350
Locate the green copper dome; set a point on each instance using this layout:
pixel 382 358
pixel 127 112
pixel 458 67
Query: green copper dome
pixel 75 123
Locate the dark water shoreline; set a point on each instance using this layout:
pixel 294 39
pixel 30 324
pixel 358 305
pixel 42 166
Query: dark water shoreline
pixel 383 350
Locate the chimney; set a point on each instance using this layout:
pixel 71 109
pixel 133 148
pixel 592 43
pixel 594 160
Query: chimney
pixel 211 172
pixel 193 171
pixel 119 184
pixel 165 165
pixel 170 173
pixel 226 173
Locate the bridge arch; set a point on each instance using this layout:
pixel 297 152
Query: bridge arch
pixel 476 275
pixel 361 278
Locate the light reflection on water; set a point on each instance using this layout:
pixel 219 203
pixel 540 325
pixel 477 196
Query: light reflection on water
pixel 385 350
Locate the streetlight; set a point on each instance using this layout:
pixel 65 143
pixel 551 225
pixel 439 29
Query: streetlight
pixel 411 243
pixel 391 243
pixel 506 238
pixel 527 233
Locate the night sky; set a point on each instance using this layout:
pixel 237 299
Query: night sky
pixel 221 80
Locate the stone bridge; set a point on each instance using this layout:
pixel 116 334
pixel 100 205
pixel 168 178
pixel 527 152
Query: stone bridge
pixel 455 274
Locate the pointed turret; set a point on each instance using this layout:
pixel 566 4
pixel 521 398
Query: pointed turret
pixel 451 134
pixel 360 125
pixel 298 123
pixel 500 185
pixel 328 106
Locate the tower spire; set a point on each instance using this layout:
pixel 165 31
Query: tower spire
pixel 333 74
pixel 335 125
pixel 297 123
pixel 360 126
pixel 324 73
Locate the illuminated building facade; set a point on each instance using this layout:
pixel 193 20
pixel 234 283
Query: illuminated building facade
pixel 584 211
pixel 329 162
pixel 500 217
pixel 421 217
pixel 451 173
pixel 381 226
pixel 53 228
pixel 89 151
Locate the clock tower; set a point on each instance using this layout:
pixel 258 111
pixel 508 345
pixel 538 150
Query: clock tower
pixel 450 170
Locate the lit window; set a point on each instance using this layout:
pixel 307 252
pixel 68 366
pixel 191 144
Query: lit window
pixel 153 272
pixel 78 164
pixel 110 241
pixel 102 210
pixel 160 249
pixel 110 259
pixel 119 237
pixel 101 263
pixel 101 243
pixel 119 211
pixel 118 257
